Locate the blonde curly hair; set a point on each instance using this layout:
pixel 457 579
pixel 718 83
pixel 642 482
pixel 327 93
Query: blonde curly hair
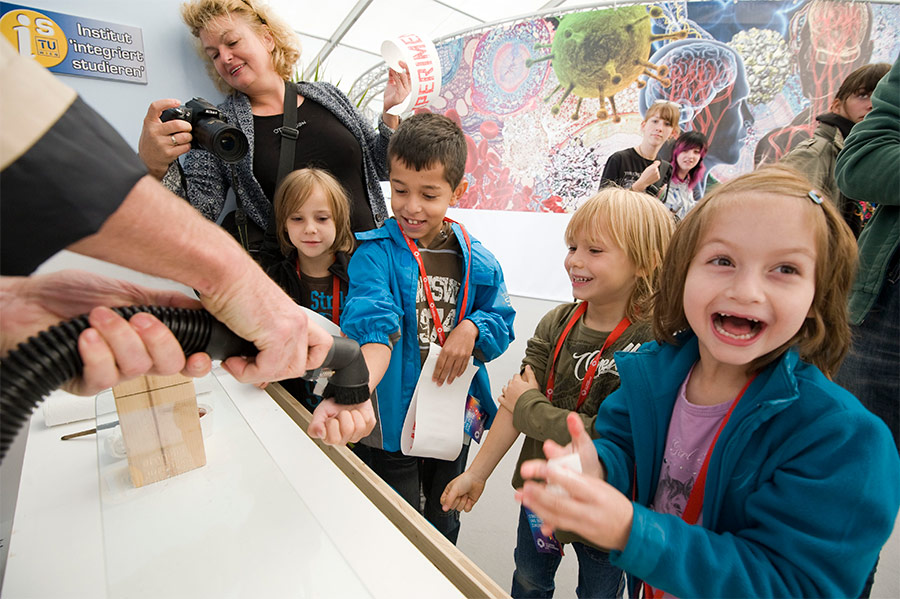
pixel 198 14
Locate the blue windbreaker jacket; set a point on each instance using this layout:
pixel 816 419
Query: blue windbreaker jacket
pixel 802 490
pixel 382 302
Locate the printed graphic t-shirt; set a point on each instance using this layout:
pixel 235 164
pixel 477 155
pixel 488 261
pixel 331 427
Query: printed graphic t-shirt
pixel 443 264
pixel 691 430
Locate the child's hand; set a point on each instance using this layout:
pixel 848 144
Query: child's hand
pixel 260 385
pixel 456 352
pixel 462 492
pixel 581 444
pixel 516 386
pixel 338 424
pixel 590 507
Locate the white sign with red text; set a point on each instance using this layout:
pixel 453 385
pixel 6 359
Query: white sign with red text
pixel 421 57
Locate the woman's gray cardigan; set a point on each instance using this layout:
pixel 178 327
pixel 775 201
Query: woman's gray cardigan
pixel 207 179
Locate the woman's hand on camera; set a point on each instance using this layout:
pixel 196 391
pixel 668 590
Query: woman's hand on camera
pixel 161 143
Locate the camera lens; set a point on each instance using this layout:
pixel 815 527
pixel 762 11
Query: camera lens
pixel 230 145
pixel 224 140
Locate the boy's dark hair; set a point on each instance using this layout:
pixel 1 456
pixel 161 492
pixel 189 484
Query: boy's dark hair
pixel 862 81
pixel 427 139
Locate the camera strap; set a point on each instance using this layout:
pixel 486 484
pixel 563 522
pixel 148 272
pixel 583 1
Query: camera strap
pixel 288 132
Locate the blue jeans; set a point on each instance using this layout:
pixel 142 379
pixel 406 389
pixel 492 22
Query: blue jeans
pixel 535 571
pixel 870 371
pixel 416 478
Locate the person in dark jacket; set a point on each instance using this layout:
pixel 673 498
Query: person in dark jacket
pixel 815 157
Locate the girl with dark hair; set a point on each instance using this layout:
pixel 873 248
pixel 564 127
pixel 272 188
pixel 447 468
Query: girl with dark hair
pixel 685 187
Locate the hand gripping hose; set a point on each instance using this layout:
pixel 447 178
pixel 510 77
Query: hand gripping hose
pixel 47 360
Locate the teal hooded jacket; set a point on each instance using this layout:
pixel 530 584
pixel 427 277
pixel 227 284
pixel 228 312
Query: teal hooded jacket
pixel 802 489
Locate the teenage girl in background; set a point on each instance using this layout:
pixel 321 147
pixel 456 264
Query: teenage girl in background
pixel 685 189
pixel 728 464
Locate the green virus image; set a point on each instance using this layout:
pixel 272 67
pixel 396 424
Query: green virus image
pixel 599 53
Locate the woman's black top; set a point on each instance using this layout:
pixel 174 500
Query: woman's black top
pixel 323 143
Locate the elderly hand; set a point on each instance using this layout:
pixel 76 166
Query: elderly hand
pixel 112 349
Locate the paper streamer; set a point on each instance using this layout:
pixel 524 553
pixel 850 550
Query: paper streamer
pixel 424 64
pixel 435 421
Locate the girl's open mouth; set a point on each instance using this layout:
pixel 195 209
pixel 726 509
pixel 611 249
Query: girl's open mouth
pixel 736 327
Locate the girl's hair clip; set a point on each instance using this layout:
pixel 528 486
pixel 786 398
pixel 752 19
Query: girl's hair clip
pixel 815 197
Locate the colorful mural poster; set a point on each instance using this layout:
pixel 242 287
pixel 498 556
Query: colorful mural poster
pixel 75 45
pixel 544 101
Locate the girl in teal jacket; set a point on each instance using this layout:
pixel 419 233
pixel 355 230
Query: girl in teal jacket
pixel 728 465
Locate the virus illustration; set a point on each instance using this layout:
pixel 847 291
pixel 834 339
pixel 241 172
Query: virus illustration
pixel 599 53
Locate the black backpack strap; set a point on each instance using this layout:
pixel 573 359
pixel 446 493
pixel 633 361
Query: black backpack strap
pixel 288 132
pixel 270 252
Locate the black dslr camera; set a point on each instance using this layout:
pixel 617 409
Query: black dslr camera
pixel 210 130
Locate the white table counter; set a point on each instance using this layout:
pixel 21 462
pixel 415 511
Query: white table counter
pixel 59 547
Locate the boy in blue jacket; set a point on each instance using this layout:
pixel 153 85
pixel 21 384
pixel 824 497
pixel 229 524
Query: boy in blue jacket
pixel 420 279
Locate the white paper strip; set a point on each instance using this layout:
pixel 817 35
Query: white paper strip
pixel 434 422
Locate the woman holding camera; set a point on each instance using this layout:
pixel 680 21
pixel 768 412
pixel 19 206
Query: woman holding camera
pixel 252 54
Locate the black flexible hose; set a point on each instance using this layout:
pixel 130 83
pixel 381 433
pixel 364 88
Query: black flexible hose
pixel 47 360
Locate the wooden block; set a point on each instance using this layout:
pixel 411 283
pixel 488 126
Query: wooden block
pixel 160 426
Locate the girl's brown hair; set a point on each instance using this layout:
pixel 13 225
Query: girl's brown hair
pixel 293 192
pixel 198 14
pixel 824 337
pixel 640 225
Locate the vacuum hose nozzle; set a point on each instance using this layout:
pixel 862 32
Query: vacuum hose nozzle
pixel 47 360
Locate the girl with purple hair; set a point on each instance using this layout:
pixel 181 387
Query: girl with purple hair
pixel 685 187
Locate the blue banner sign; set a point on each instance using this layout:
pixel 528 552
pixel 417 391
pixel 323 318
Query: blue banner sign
pixel 75 45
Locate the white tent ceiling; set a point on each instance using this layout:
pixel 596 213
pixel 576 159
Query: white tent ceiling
pixel 348 33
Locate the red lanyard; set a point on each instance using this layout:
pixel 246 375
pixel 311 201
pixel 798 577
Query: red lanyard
pixel 695 502
pixel 335 296
pixel 438 325
pixel 595 361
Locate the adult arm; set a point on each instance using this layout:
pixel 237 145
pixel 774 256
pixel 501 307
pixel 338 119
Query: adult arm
pixel 868 168
pixel 808 161
pixel 155 232
pixel 395 92
pixel 203 180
